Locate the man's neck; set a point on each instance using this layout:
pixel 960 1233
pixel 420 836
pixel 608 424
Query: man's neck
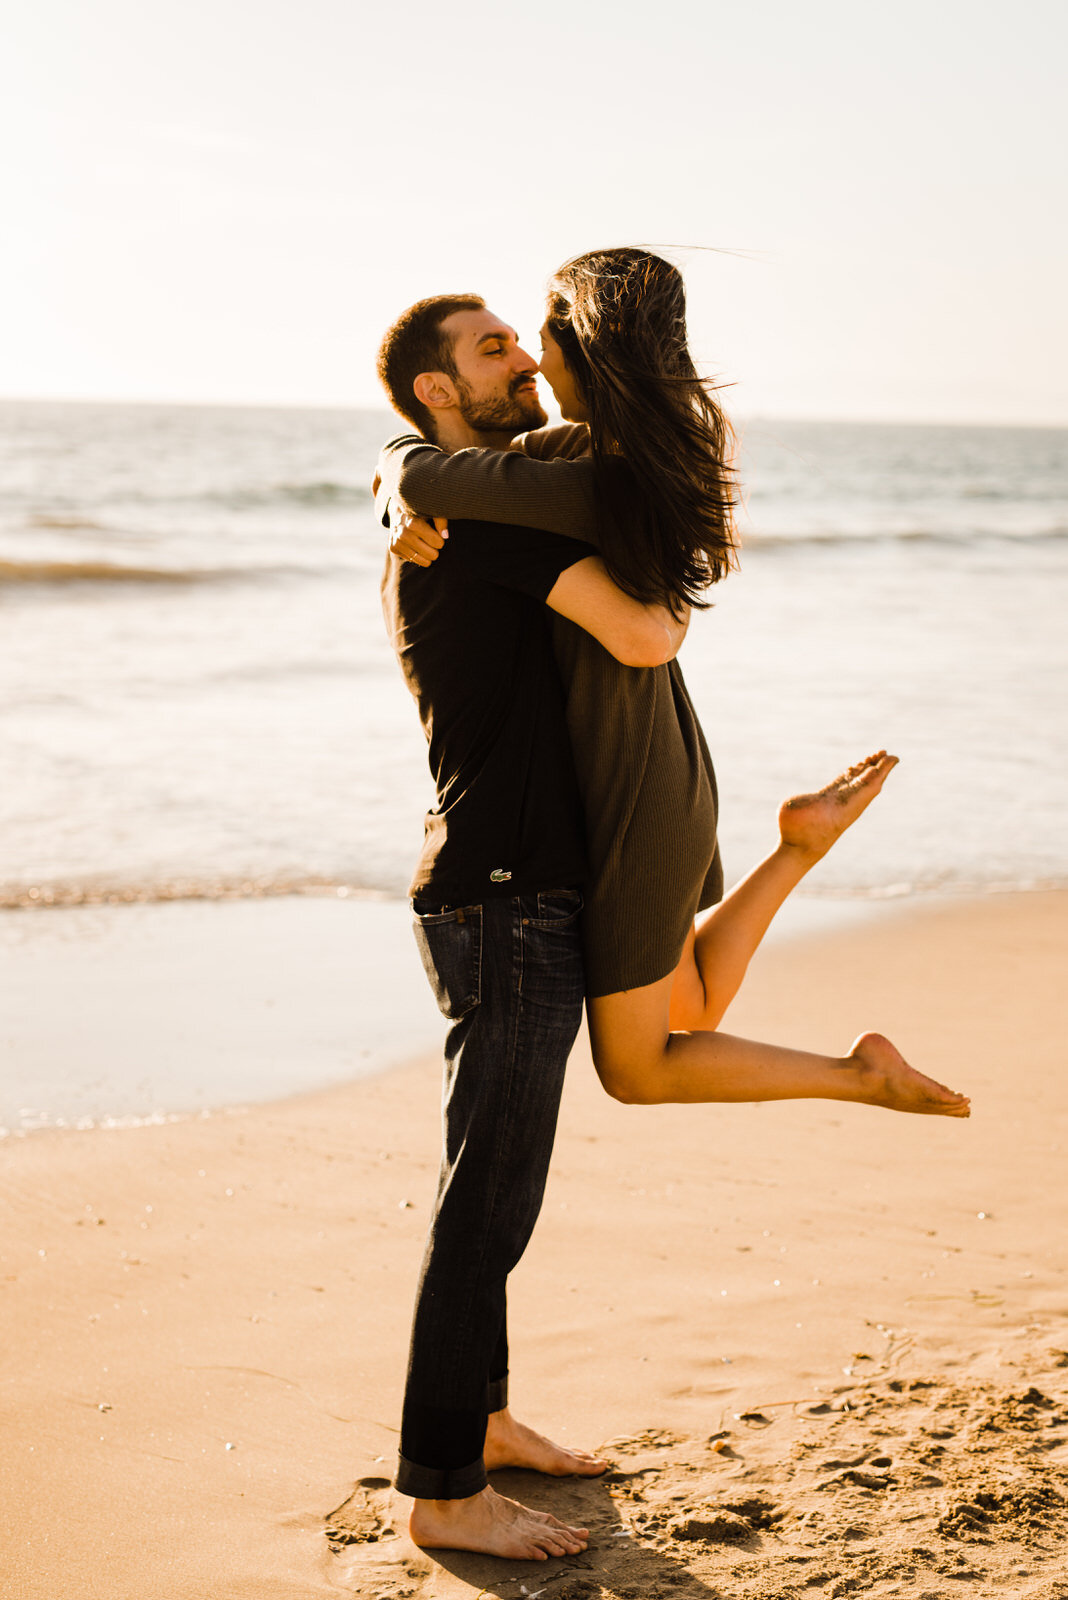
pixel 456 434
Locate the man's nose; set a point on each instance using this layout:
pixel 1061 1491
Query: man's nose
pixel 523 361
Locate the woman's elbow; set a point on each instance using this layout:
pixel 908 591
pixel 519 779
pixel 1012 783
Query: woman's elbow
pixel 648 645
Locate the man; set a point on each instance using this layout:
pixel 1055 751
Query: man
pixel 496 900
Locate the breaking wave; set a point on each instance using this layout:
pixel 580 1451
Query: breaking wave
pixel 54 572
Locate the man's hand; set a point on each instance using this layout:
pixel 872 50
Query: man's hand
pixel 414 538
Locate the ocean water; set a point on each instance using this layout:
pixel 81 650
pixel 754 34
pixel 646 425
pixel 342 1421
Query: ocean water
pixel 197 698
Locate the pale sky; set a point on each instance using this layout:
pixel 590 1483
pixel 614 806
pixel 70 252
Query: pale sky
pixel 228 200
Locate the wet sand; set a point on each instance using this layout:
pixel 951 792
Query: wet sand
pixel 825 1346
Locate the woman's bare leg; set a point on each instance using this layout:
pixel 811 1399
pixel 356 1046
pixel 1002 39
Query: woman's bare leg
pixel 640 1062
pixel 718 951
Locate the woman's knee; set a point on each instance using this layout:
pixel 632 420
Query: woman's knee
pixel 629 1036
pixel 626 1078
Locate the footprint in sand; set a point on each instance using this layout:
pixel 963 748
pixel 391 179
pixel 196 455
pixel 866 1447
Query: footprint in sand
pixel 363 1518
pixel 712 1526
pixel 650 1439
pixel 367 1548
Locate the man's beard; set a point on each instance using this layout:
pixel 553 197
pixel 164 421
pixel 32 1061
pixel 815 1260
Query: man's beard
pixel 511 413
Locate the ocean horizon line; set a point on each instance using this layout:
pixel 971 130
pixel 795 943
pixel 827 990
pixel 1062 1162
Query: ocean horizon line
pixel 335 407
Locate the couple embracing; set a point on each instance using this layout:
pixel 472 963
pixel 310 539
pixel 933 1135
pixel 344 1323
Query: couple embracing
pixel 539 585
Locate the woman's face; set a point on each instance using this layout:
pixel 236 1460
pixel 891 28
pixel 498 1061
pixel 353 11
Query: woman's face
pixel 555 371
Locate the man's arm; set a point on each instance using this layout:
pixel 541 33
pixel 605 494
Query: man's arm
pixel 637 635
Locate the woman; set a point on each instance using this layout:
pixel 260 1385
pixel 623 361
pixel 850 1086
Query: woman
pixel 649 481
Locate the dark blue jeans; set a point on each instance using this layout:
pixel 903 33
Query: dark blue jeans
pixel 508 976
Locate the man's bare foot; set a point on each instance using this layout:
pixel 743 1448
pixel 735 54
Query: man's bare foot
pixel 812 822
pixel 512 1444
pixel 884 1078
pixel 493 1525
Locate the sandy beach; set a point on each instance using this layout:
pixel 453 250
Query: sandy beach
pixel 825 1347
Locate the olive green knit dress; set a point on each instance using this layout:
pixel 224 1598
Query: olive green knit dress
pixel 644 770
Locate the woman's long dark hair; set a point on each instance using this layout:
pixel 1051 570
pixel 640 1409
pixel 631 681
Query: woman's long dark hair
pixel 661 444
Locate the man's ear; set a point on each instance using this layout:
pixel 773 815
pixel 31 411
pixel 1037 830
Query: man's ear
pixel 435 390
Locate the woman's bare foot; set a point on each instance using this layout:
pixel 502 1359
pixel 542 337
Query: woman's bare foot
pixel 884 1078
pixel 493 1525
pixel 812 822
pixel 512 1444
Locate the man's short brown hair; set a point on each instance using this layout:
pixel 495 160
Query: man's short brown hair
pixel 414 344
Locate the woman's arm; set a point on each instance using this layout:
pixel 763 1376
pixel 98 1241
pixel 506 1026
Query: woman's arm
pixel 637 635
pixel 490 486
pixel 558 441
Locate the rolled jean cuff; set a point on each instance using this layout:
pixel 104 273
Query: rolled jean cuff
pixel 440 1483
pixel 497 1394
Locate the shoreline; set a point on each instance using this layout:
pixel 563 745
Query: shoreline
pixel 82 897
pixel 161 1011
pixel 183 1008
pixel 208 1319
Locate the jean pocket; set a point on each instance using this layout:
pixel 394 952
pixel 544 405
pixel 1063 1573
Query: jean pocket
pixel 557 908
pixel 450 948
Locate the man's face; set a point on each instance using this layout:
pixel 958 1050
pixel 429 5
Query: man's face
pixel 495 377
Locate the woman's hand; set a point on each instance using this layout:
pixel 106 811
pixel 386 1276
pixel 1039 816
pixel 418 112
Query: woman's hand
pixel 414 538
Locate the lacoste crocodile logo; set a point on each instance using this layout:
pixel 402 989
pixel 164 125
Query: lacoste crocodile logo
pixel 498 875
